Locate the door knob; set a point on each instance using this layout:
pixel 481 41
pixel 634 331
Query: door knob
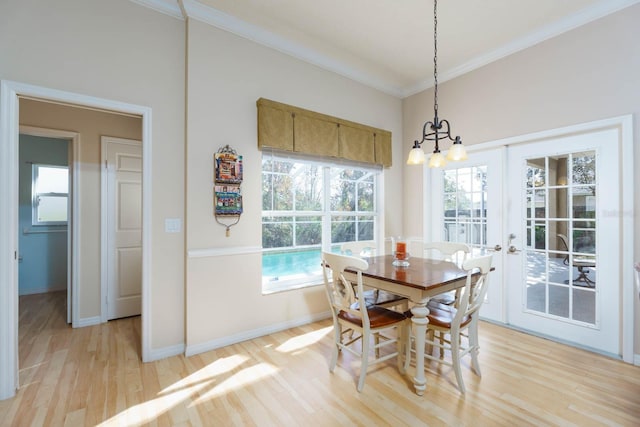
pixel 497 248
pixel 512 249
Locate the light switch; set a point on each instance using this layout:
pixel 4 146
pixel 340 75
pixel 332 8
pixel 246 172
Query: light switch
pixel 172 225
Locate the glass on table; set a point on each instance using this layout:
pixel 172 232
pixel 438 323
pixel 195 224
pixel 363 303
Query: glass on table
pixel 400 252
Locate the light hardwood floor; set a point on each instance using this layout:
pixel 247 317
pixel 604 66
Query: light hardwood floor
pixel 94 376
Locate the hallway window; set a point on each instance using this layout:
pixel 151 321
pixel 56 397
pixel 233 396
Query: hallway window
pixel 49 194
pixel 309 206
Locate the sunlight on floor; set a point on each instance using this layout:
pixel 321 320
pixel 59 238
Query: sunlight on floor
pixel 301 341
pixel 209 372
pixel 186 389
pixel 246 376
pixel 150 410
pixel 216 379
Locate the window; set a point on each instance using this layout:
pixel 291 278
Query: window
pixel 308 206
pixel 465 205
pixel 50 192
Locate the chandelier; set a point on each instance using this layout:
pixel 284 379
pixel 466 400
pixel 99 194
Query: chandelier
pixel 438 129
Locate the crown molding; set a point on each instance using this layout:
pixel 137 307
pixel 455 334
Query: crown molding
pixel 196 10
pixel 168 7
pixel 226 22
pixel 592 13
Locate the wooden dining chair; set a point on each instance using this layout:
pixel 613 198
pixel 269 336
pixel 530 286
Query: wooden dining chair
pixel 449 251
pixel 367 321
pixel 361 248
pixel 459 324
pixel 365 249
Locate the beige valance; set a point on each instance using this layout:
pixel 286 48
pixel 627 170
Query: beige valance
pixel 288 128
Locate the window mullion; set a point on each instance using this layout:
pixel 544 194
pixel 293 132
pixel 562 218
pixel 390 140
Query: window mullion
pixel 326 208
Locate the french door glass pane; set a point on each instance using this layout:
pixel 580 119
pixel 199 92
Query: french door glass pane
pixel 560 223
pixel 465 205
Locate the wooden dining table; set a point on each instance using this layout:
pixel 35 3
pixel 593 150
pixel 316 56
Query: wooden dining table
pixel 422 279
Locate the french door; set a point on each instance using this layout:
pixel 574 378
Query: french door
pixel 563 268
pixel 544 209
pixel 469 210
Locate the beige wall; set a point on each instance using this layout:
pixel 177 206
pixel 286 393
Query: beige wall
pixel 227 74
pixel 90 125
pixel 124 52
pixel 584 75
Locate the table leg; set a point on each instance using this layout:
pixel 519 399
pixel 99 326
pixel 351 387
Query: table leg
pixel 419 323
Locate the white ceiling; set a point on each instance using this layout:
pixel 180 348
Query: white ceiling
pixel 388 44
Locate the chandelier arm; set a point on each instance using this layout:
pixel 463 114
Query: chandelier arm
pixel 448 132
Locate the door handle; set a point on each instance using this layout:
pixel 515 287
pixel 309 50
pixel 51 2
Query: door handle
pixel 497 248
pixel 512 249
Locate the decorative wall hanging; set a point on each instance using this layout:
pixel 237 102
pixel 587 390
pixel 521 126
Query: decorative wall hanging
pixel 227 195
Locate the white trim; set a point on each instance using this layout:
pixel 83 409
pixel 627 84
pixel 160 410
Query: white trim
pixel 255 333
pixel 169 8
pixel 87 321
pixel 589 14
pixel 207 14
pixel 611 122
pixel 9 241
pixel 217 252
pixel 9 130
pixel 625 125
pixel 44 290
pixel 234 25
pixel 104 240
pixel 628 233
pixel 163 353
pixel 147 180
pixel 73 231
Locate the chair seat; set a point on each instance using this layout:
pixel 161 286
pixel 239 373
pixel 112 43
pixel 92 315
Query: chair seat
pixel 454 328
pixel 441 315
pixel 379 317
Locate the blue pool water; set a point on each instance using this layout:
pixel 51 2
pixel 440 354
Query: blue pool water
pixel 281 265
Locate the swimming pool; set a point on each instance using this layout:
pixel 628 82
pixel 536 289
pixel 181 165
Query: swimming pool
pixel 278 266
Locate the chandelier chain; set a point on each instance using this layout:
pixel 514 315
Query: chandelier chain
pixel 436 130
pixel 435 58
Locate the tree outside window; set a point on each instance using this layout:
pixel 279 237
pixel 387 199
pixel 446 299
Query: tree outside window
pixel 308 206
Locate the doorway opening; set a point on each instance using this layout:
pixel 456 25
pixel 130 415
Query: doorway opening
pixel 11 94
pixel 46 220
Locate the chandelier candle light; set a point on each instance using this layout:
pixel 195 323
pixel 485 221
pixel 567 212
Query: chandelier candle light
pixel 437 129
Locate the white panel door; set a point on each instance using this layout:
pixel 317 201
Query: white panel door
pixel 467 208
pixel 123 169
pixel 564 272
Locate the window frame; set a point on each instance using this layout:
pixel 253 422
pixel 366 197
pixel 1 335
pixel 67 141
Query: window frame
pixel 35 195
pixel 325 213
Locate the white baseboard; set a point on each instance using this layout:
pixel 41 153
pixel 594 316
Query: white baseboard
pixel 162 353
pixel 87 321
pixel 42 290
pixel 636 359
pixel 255 333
